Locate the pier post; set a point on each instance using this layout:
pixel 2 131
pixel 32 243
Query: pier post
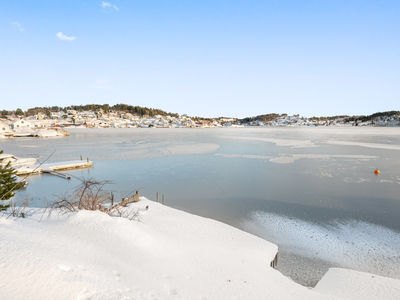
pixel 157 196
pixel 274 262
pixel 163 199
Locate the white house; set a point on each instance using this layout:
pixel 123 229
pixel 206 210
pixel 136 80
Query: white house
pixel 4 127
pixel 41 123
pixel 40 116
pixel 21 124
pixel 72 112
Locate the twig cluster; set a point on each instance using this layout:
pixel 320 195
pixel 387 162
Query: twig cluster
pixel 121 212
pixel 90 195
pixel 17 208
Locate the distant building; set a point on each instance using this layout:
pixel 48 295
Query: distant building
pixel 72 112
pixel 21 124
pixel 35 124
pixel 40 116
pixel 4 127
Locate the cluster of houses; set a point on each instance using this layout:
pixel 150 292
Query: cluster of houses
pixel 387 121
pixel 296 120
pixel 23 127
pixel 121 119
pixel 53 123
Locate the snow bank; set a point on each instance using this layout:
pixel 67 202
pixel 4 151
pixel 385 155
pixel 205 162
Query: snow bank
pixel 168 254
pixel 348 284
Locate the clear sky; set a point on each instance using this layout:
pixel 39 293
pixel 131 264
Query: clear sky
pixel 203 58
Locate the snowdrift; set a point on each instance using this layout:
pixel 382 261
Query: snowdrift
pixel 167 254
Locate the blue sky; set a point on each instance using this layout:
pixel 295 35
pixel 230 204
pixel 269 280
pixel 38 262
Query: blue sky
pixel 203 58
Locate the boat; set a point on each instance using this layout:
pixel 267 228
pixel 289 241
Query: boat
pixel 16 161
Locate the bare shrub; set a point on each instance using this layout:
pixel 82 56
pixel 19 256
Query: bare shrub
pixel 18 208
pixel 90 195
pixel 123 212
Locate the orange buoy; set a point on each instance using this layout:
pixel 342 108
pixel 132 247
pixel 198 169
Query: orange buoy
pixel 376 171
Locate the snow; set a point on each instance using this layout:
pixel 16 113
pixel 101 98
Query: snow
pixel 167 254
pixel 348 284
pixel 48 133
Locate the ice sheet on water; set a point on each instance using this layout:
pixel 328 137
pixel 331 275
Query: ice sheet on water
pixel 132 151
pixel 330 156
pixel 287 158
pixel 283 159
pixel 351 244
pixel 28 146
pixel 245 156
pixel 293 143
pixel 325 174
pixel 356 180
pixel 290 158
pixel 368 145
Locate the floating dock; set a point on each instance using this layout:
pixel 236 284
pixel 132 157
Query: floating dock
pixel 52 168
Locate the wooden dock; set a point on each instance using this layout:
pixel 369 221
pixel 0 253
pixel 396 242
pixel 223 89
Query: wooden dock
pixel 52 168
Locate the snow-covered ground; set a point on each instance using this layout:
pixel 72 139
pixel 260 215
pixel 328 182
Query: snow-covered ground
pixel 167 254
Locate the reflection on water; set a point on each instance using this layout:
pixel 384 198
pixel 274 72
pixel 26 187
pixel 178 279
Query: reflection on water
pixel 306 178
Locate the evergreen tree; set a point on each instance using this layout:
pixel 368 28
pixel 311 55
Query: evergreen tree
pixel 19 112
pixel 8 183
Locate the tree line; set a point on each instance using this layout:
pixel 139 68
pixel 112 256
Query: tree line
pixel 264 118
pixel 135 110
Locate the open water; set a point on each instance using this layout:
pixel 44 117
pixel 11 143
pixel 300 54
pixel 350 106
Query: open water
pixel 311 191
